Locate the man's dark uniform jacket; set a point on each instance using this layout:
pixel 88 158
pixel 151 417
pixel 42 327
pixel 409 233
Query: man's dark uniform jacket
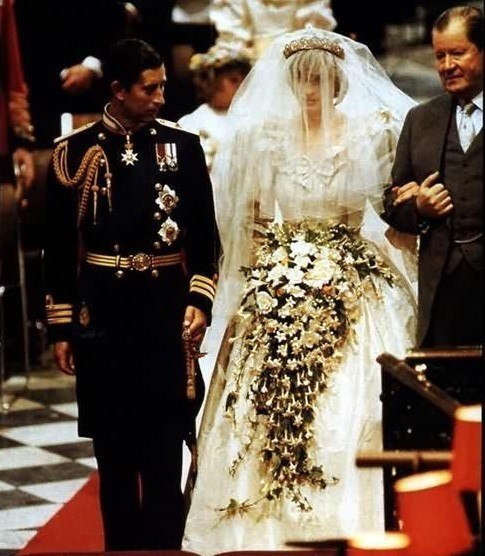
pixel 429 142
pixel 130 243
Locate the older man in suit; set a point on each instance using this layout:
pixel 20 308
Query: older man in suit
pixel 437 187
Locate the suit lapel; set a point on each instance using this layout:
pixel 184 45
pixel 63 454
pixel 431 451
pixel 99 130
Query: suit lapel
pixel 441 119
pixel 477 142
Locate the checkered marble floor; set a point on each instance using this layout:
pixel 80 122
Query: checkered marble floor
pixel 42 460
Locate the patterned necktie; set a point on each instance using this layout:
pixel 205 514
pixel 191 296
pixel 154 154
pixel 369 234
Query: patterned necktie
pixel 466 130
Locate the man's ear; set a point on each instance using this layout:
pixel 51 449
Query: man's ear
pixel 118 90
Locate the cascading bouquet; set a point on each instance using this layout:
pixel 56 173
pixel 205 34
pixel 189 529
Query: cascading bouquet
pixel 300 297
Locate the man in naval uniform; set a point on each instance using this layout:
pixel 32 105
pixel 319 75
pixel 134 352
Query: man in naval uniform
pixel 129 267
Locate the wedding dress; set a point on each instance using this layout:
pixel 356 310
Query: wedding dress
pixel 347 418
pixel 310 302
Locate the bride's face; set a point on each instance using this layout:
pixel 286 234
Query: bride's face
pixel 314 79
pixel 311 92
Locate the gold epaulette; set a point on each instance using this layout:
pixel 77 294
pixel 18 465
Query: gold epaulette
pixel 174 125
pixel 73 132
pixel 86 174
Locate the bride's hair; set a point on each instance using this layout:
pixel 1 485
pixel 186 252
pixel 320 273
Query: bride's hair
pixel 309 64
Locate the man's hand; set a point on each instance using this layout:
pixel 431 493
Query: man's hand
pixel 405 192
pixel 196 322
pixel 63 357
pixel 433 199
pixel 24 161
pixel 77 79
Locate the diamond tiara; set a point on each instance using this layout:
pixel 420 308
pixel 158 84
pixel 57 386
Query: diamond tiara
pixel 311 43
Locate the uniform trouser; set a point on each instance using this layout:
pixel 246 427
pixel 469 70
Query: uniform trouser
pixel 457 314
pixel 140 494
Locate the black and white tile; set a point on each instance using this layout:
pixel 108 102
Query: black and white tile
pixel 43 462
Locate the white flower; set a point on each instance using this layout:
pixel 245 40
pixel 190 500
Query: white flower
pixel 279 255
pixel 286 383
pixel 276 273
pixel 334 255
pixel 283 350
pixel 285 311
pixel 265 302
pixel 294 290
pixel 321 273
pixel 301 247
pixel 306 308
pixel 324 253
pixel 310 339
pixel 294 275
pixel 280 336
pixel 292 364
pixel 302 261
pixel 296 345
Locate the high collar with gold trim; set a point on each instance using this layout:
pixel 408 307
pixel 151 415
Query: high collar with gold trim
pixel 115 126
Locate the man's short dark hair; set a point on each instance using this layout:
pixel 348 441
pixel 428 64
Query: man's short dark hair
pixel 471 15
pixel 127 59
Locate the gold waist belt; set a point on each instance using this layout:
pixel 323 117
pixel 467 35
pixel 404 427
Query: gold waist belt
pixel 139 262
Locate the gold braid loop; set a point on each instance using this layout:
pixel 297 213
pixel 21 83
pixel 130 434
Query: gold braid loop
pixel 85 174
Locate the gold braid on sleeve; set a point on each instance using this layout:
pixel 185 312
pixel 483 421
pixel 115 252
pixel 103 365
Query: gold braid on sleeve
pixel 85 175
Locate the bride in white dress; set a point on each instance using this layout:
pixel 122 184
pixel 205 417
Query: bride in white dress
pixel 309 301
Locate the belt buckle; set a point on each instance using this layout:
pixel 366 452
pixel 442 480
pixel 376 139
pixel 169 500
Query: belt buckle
pixel 140 262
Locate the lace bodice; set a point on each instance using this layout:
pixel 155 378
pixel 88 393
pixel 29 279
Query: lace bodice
pixel 313 186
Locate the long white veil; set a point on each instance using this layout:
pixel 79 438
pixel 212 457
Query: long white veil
pixel 361 113
pixel 277 165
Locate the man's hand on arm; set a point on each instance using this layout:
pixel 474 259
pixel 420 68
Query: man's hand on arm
pixel 433 199
pixel 405 192
pixel 64 358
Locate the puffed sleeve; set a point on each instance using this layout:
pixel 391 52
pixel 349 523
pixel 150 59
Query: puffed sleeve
pixel 403 217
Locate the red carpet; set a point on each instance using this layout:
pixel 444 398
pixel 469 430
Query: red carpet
pixel 76 527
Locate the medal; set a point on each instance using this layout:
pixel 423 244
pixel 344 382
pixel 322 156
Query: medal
pixel 166 154
pixel 169 231
pixel 129 157
pixel 167 199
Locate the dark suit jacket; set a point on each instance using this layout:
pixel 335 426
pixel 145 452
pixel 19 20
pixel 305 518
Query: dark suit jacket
pixel 419 154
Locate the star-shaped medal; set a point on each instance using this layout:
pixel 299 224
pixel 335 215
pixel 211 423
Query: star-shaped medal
pixel 129 157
